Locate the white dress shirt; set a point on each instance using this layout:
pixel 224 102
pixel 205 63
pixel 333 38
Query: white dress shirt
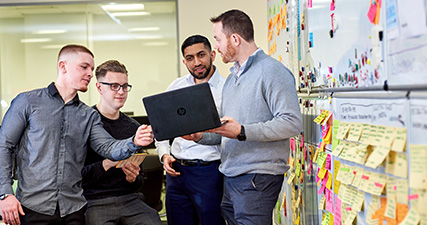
pixel 181 148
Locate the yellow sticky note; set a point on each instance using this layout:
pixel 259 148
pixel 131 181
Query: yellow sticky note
pixel 376 183
pixel 322 203
pixel 321 117
pixel 402 191
pixel 390 210
pixel 411 218
pixel 397 164
pixel 364 139
pixel 322 172
pixel 336 182
pixel 358 201
pixel 343 130
pixel 389 136
pixel 418 166
pixel 329 181
pixel 291 178
pixel 355 132
pixel 338 149
pixel 377 157
pixel 399 144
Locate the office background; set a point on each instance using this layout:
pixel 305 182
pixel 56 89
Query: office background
pixel 145 37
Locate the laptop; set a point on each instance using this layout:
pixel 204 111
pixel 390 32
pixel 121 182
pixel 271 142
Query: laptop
pixel 182 111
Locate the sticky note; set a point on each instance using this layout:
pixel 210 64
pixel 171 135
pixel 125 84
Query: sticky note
pixel 418 166
pixel 390 210
pixel 411 218
pixel 337 215
pixel 397 164
pixel 377 156
pixel 329 201
pixel 343 130
pixel 402 191
pixel 355 132
pixel 399 143
pixel 336 182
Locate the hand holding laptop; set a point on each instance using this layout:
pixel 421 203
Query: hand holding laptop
pixel 229 128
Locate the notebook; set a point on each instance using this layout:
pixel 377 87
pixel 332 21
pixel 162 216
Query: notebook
pixel 182 111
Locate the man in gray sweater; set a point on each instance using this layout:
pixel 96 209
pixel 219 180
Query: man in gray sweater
pixel 261 106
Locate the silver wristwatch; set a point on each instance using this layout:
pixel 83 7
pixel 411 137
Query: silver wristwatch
pixel 3 196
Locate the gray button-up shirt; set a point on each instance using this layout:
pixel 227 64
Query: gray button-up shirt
pixel 50 140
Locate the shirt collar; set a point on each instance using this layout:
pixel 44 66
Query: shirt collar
pixel 238 69
pixel 54 91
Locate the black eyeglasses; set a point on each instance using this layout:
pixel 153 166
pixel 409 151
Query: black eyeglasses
pixel 116 86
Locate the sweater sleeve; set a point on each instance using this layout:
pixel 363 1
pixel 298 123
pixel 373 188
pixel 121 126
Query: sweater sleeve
pixel 282 100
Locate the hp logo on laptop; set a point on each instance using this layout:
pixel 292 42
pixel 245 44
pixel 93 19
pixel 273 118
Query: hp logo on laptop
pixel 181 111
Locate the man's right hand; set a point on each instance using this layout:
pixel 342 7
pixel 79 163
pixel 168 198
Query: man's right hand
pixel 10 210
pixel 167 165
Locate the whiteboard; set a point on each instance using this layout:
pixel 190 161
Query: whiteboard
pixel 347 57
pixel 407 45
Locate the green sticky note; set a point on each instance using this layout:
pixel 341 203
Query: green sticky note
pixel 335 140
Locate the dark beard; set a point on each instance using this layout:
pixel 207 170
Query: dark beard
pixel 204 75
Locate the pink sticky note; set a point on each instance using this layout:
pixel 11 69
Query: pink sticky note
pixel 337 215
pixel 328 162
pixel 412 197
pixel 292 143
pixel 310 168
pixel 332 6
pixel 329 201
pixel 378 185
pixel 305 152
pixel 325 179
pixel 321 189
pixel 372 12
pixel 317 177
pixel 309 3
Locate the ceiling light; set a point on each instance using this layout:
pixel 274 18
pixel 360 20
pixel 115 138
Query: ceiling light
pixel 123 7
pixel 136 29
pixel 35 40
pixel 160 43
pixel 148 36
pixel 130 14
pixel 52 46
pixel 50 32
pixel 4 103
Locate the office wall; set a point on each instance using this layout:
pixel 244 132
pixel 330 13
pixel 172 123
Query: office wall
pixel 194 15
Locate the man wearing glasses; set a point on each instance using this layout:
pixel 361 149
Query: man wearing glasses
pixel 112 193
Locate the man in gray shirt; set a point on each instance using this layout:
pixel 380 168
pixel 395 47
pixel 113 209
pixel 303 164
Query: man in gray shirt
pixel 49 130
pixel 260 103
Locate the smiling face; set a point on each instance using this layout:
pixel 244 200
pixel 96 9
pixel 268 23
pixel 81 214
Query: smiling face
pixel 78 69
pixel 223 44
pixel 109 98
pixel 198 61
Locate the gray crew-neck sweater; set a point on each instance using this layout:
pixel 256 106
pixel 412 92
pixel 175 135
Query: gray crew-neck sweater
pixel 264 100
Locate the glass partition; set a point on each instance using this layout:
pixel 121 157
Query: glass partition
pixel 143 36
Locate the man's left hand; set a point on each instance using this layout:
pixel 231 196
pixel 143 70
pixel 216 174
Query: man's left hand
pixel 132 171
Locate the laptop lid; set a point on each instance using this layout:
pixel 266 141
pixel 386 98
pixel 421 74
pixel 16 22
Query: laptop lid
pixel 182 111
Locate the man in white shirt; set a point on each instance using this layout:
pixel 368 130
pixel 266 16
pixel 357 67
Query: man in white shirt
pixel 193 183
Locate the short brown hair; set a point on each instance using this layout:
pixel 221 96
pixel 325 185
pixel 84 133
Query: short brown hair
pixel 74 49
pixel 110 65
pixel 236 21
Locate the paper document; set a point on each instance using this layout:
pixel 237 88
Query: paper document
pixel 137 158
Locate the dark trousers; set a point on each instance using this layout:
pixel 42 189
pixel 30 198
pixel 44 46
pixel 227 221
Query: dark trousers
pixel 194 197
pixel 35 218
pixel 249 199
